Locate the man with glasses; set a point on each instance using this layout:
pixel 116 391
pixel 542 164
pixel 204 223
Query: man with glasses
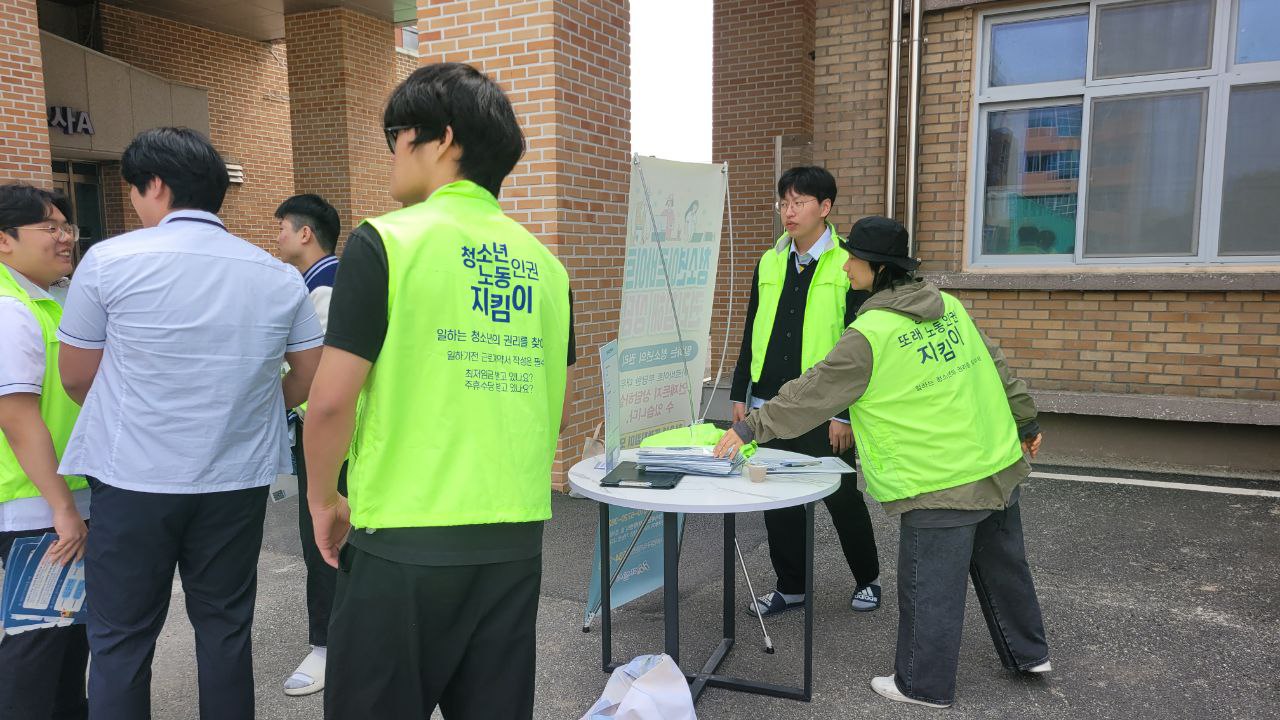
pixel 451 325
pixel 41 672
pixel 173 337
pixel 800 305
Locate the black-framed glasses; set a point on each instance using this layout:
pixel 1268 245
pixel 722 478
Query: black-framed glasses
pixel 392 133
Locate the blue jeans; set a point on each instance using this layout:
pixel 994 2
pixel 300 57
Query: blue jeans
pixel 932 565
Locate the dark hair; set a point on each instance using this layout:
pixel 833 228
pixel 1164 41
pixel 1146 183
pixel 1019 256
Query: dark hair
pixel 808 180
pixel 22 204
pixel 889 276
pixel 185 162
pixel 459 96
pixel 316 213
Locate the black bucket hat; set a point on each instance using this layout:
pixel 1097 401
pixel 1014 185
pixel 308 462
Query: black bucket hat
pixel 880 239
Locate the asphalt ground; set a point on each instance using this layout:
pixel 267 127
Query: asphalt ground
pixel 1159 603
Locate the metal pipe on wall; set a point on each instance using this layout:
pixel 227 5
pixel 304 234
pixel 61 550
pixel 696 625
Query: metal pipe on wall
pixel 913 116
pixel 895 69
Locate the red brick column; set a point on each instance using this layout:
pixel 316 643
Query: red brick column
pixel 24 153
pixel 342 67
pixel 248 111
pixel 566 66
pixel 762 87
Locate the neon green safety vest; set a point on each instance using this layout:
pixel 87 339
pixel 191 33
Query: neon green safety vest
pixel 57 410
pixel 935 414
pixel 460 416
pixel 824 304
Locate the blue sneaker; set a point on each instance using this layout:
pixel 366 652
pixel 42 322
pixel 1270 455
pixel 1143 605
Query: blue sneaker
pixel 866 598
pixel 772 604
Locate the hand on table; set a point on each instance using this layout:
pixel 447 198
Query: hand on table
pixel 728 445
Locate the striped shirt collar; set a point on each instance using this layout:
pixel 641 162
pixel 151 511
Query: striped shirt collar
pixel 320 265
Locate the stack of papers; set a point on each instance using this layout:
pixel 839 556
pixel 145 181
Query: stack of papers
pixel 38 592
pixel 687 460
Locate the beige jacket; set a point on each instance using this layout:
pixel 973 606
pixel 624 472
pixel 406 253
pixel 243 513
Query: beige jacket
pixel 841 378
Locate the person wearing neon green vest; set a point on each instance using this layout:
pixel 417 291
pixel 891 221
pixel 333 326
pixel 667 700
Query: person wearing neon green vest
pixel 800 303
pixel 41 673
pixel 443 379
pixel 942 426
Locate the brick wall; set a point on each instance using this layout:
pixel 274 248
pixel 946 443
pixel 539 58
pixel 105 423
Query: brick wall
pixel 24 150
pixel 565 64
pixel 762 87
pixel 342 67
pixel 1192 344
pixel 1199 344
pixel 248 106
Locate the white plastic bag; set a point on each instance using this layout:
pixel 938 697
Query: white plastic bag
pixel 651 687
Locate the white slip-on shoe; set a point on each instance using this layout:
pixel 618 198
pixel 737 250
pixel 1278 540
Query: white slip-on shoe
pixel 885 687
pixel 309 677
pixel 1040 669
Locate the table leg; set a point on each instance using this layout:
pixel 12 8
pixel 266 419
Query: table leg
pixel 671 583
pixel 606 638
pixel 808 601
pixel 730 574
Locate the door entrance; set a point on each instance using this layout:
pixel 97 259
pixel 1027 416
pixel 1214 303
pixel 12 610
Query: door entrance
pixel 81 182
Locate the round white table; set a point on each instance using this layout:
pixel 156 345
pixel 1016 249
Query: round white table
pixel 725 496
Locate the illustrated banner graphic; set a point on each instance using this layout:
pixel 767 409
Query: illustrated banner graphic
pixel 673 243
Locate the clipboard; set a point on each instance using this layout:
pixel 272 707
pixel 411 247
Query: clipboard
pixel 630 475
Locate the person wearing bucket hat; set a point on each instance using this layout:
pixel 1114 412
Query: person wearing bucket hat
pixel 800 304
pixel 941 426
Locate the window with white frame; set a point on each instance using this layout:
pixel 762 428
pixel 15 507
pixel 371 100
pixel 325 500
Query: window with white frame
pixel 1128 131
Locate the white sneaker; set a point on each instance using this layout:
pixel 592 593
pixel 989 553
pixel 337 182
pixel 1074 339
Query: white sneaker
pixel 1042 668
pixel 309 677
pixel 887 688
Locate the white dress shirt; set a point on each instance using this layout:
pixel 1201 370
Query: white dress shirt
pixel 22 371
pixel 194 323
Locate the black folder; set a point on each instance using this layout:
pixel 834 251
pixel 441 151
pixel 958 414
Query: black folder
pixel 629 475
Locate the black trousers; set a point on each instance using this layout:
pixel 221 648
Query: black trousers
pixel 849 515
pixel 322 578
pixel 933 564
pixel 42 671
pixel 406 638
pixel 135 541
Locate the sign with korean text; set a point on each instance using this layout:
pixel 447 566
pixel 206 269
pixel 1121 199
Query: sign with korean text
pixel 673 245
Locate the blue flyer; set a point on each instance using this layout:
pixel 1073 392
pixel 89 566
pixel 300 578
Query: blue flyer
pixel 37 592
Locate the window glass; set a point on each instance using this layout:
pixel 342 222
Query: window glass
pixel 1251 185
pixel 1258 31
pixel 1153 37
pixel 1145 163
pixel 1032 181
pixel 1038 51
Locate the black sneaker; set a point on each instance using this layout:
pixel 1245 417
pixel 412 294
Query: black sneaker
pixel 865 598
